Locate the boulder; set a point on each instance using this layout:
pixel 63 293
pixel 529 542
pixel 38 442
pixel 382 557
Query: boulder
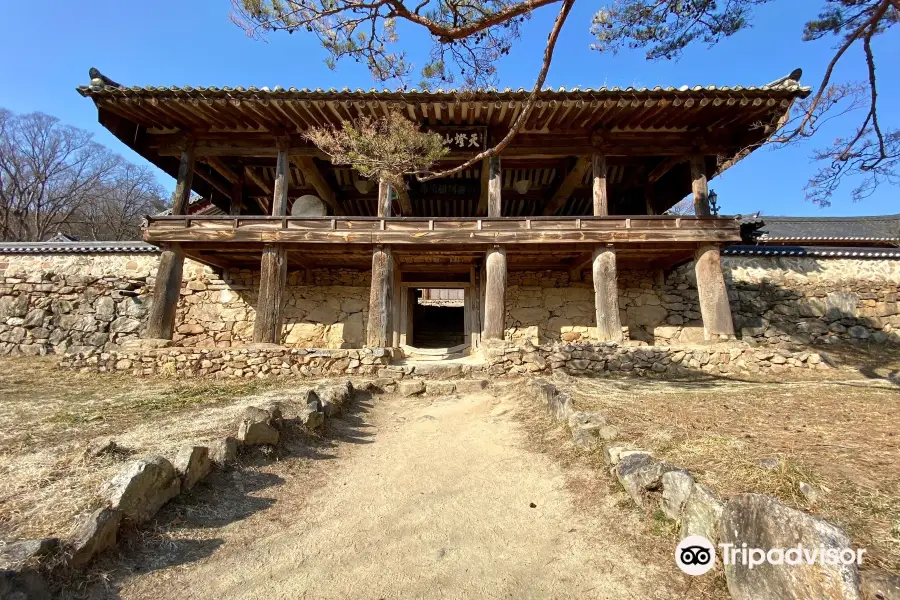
pixel 223 452
pixel 19 554
pixel 125 325
pixel 701 513
pixel 192 464
pixel 142 488
pixel 763 522
pixel 410 387
pixel 608 433
pixel 255 428
pixel 471 386
pixel 311 416
pixel 612 452
pixel 880 585
pixel 584 427
pixel 440 388
pixel 639 473
pixel 26 584
pixel 677 486
pixel 95 533
pixel 560 406
pixel 334 398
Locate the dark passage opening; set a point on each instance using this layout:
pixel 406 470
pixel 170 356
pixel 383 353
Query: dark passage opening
pixel 439 318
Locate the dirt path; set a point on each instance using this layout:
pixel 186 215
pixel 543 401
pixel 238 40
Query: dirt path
pixel 438 504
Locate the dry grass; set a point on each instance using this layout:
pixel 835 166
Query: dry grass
pixel 838 436
pixel 50 420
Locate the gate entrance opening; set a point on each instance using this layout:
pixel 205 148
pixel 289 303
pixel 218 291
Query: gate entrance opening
pixel 439 317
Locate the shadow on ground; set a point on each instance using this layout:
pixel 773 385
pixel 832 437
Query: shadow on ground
pixel 176 536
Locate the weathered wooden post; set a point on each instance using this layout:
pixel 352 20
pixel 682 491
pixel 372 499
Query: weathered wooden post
pixel 167 290
pixel 603 265
pixel 699 186
pixel 378 329
pixel 714 306
pixel 606 295
pixel 384 199
pixel 273 265
pixel 494 184
pixel 237 196
pixel 601 200
pixel 495 293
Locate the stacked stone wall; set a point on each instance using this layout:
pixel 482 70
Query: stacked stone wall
pixel 50 303
pixel 53 303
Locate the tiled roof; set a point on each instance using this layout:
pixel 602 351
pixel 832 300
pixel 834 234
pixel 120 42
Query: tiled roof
pixel 279 92
pixel 884 228
pixel 75 247
pixel 814 251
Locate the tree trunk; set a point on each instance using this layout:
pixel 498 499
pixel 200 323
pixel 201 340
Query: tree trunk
pixel 495 208
pixel 601 200
pixel 699 186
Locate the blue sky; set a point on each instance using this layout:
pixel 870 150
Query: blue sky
pixel 47 47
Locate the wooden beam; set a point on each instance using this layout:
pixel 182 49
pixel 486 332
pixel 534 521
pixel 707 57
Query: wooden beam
pixel 699 186
pixel 280 192
pixel 256 180
pixel 713 295
pixel 384 199
pixel 223 169
pixel 606 295
pixel 572 180
pixel 166 291
pixel 495 183
pixel 495 293
pixel 664 167
pixel 578 265
pixel 600 194
pixel 184 181
pixel 316 178
pixel 272 279
pixel 482 209
pixel 378 329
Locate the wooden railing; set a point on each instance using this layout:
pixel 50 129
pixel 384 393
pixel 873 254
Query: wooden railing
pixel 446 230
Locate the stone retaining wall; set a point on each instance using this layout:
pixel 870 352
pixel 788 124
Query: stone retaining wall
pixel 53 303
pixel 244 363
pixel 665 361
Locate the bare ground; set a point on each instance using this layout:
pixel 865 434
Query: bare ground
pixel 841 437
pixel 438 498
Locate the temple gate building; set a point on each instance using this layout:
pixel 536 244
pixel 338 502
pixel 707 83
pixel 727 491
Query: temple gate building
pixel 575 203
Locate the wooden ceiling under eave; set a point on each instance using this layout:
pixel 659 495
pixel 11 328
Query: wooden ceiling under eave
pixel 646 134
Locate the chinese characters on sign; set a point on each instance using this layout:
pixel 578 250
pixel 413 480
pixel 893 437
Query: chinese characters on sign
pixel 464 138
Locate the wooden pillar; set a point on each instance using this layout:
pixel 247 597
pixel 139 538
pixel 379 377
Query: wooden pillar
pixel 280 191
pixel 378 331
pixel 648 199
pixel 606 295
pixel 495 208
pixel 237 197
pixel 714 306
pixel 495 293
pixel 395 305
pixel 161 320
pixel 184 181
pixel 272 278
pixel 473 307
pixel 384 199
pixel 273 266
pixel 601 199
pixel 699 186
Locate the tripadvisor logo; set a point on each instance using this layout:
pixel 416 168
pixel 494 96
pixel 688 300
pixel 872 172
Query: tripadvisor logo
pixel 695 555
